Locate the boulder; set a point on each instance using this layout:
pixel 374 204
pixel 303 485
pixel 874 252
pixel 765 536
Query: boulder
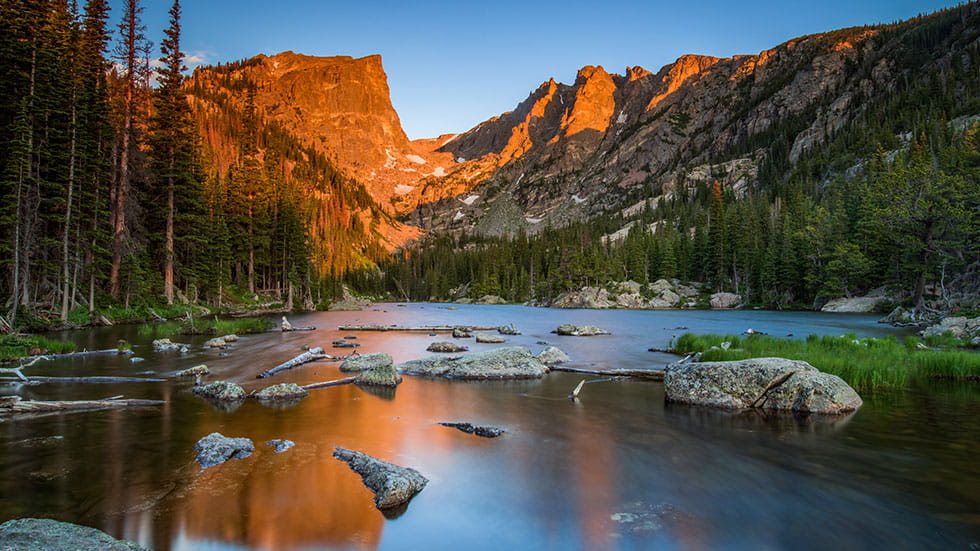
pixel 553 356
pixel 282 391
pixel 580 330
pixel 490 338
pixel 586 297
pixel 221 391
pixel 164 345
pixel 666 299
pixel 230 338
pixel 365 362
pixel 659 286
pixel 196 371
pixel 280 446
pixel 490 299
pixel 508 330
pixel 959 327
pixel 721 301
pixel 379 375
pixel 392 485
pixel 42 534
pixel 215 449
pixel 770 383
pixel 462 332
pixel 514 362
pixel 216 342
pixel 485 431
pixel 446 347
pixel 856 305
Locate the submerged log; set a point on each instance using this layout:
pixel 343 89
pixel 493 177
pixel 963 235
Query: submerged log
pixel 87 380
pixel 327 384
pixel 311 355
pixel 18 406
pixel 417 328
pixel 644 374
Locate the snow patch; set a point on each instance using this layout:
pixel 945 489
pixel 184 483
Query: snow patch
pixel 415 159
pixel 439 171
pixel 469 200
pixel 402 189
pixel 458 216
pixel 621 118
pixel 578 200
pixel 518 181
pixel 460 160
pixel 533 220
pixel 390 162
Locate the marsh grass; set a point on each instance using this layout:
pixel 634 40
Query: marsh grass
pixel 203 326
pixel 863 363
pixel 19 346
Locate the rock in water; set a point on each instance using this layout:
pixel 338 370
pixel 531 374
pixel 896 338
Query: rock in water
pixel 446 347
pixel 216 342
pixel 221 391
pixel 280 446
pixel 462 332
pixel 392 485
pixel 197 370
pixel 485 431
pixel 164 345
pixel 365 362
pixel 284 325
pixel 553 356
pixel 580 330
pixel 215 449
pixel 770 383
pixel 490 338
pixel 379 375
pixel 508 330
pixel 41 534
pixel 283 391
pixel 514 362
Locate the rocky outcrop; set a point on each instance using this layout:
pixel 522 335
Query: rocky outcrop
pixel 192 372
pixel 485 431
pixel 515 362
pixel 769 383
pixel 580 330
pixel 364 362
pixel 873 302
pixel 553 356
pixel 349 302
pixel 446 347
pixel 661 294
pixel 490 338
pixel 282 392
pixel 959 327
pixel 215 449
pixel 42 534
pixel 383 375
pixel 164 345
pixel 393 485
pixel 221 391
pixel 721 301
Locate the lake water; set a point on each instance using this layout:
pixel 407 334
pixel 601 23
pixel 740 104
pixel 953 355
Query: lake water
pixel 617 469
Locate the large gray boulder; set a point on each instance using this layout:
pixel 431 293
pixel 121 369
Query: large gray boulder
pixel 221 391
pixel 364 362
pixel 444 347
pixel 379 375
pixel 769 383
pixel 515 362
pixel 721 301
pixel 553 355
pixel 580 330
pixel 392 485
pixel 215 449
pixel 958 327
pixel 164 345
pixel 42 534
pixel 282 392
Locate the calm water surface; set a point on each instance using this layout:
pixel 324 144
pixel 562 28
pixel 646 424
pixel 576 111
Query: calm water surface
pixel 618 469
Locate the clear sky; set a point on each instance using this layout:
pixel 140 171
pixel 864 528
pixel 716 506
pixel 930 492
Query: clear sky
pixel 454 64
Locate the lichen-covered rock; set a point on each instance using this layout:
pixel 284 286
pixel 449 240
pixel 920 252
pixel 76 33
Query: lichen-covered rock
pixel 379 375
pixel 462 332
pixel 721 301
pixel 164 345
pixel 221 391
pixel 508 330
pixel 553 356
pixel 392 484
pixel 958 327
pixel 280 446
pixel 490 338
pixel 870 303
pixel 446 347
pixel 282 391
pixel 196 371
pixel 485 431
pixel 580 330
pixel 770 383
pixel 42 534
pixel 365 362
pixel 514 362
pixel 216 448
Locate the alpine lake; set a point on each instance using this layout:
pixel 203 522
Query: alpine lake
pixel 618 468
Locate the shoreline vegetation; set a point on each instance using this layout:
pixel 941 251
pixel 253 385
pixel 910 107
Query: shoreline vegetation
pixel 863 362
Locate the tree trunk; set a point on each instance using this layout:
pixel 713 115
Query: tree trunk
pixel 168 263
pixel 66 281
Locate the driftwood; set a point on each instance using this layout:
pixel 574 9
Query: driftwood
pixel 417 329
pixel 12 406
pixel 645 374
pixel 73 355
pixel 310 355
pixel 91 380
pixel 326 384
pixel 578 388
pixel 279 330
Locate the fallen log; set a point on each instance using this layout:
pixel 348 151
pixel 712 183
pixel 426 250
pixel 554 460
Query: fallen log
pixel 13 405
pixel 90 380
pixel 326 384
pixel 72 355
pixel 418 328
pixel 311 355
pixel 644 374
pixel 278 330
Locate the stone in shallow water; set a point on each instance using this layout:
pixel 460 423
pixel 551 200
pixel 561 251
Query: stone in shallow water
pixel 281 392
pixel 221 391
pixel 280 446
pixel 392 484
pixel 580 330
pixel 37 534
pixel 515 362
pixel 485 431
pixel 364 362
pixel 216 448
pixel 553 356
pixel 446 347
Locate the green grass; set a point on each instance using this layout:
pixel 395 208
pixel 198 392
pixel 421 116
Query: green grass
pixel 863 363
pixel 19 346
pixel 204 326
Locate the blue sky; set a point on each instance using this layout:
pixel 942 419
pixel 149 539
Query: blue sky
pixel 452 65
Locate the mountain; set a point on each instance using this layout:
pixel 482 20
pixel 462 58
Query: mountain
pixel 609 141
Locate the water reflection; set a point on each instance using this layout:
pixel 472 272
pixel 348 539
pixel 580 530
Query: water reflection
pixel 617 469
